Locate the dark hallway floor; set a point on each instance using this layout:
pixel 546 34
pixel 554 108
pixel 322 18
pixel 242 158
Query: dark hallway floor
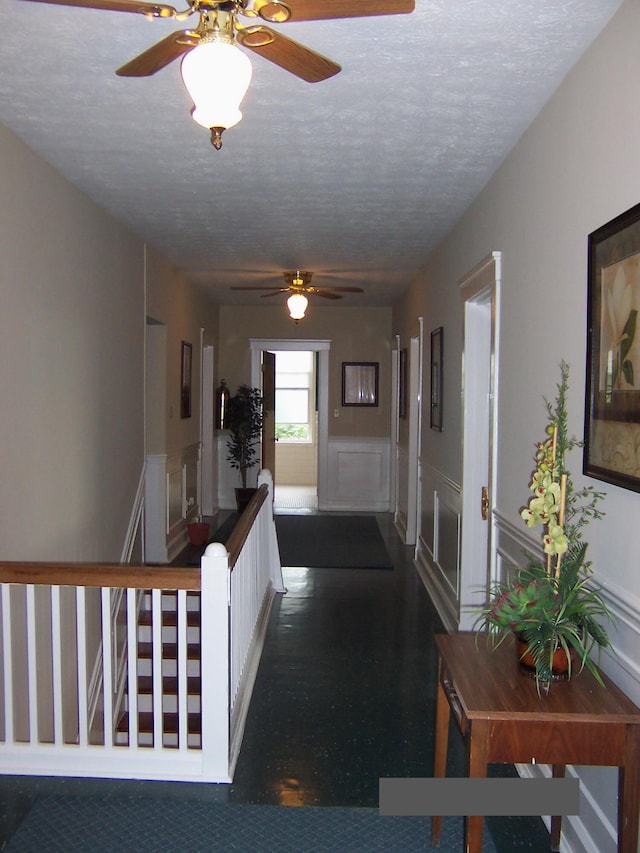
pixel 344 695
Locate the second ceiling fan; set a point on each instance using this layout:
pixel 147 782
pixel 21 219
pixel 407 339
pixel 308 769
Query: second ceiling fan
pixel 297 283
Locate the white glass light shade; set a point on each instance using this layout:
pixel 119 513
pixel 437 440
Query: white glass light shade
pixel 297 304
pixel 216 76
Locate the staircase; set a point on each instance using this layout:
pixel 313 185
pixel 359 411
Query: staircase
pixel 169 663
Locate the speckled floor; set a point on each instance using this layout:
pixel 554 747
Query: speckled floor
pixel 344 695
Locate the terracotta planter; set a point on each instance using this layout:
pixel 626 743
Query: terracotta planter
pixel 559 666
pixel 198 532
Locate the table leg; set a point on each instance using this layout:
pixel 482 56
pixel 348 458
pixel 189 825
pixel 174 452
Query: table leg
pixel 443 714
pixel 477 761
pixel 629 793
pixel 556 820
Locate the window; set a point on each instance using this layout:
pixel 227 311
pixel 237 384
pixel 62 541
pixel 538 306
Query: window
pixel 294 396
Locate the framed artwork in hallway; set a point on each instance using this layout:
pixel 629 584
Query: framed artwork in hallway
pixel 612 406
pixel 185 380
pixel 360 383
pixel 436 378
pixel 402 393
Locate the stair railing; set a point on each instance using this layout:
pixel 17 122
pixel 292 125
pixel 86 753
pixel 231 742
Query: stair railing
pixel 70 660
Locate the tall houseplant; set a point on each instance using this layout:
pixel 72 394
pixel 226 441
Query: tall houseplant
pixel 245 418
pixel 551 605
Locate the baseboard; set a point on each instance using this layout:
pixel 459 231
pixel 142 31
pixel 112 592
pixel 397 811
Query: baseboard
pixel 576 837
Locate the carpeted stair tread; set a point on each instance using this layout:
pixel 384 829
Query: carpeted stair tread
pixel 169 723
pixel 169 651
pixel 170 619
pixel 169 685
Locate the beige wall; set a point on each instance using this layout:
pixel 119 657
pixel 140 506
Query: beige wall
pixel 71 367
pixel 72 364
pixel 356 334
pixel 182 310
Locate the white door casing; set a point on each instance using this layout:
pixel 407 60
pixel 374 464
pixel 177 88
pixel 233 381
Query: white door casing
pixel 322 347
pixel 480 292
pixel 415 429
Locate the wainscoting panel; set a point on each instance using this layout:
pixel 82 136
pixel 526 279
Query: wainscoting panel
pixel 438 553
pixel 172 489
pixel 358 475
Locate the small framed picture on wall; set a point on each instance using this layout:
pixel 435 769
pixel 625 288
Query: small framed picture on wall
pixel 360 383
pixel 436 378
pixel 185 380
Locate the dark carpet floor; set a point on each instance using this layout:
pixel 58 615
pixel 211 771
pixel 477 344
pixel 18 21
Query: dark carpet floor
pixel 331 542
pixel 85 824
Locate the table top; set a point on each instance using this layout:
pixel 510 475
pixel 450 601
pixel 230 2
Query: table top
pixel 491 685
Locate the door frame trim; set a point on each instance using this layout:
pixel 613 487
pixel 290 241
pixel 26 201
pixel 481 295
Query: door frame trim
pixel 480 293
pixel 257 345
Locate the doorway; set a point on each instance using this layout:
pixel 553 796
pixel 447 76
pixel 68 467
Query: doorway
pixel 296 430
pixel 320 357
pixel 414 476
pixel 480 291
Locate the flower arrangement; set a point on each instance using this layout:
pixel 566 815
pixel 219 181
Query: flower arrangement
pixel 551 605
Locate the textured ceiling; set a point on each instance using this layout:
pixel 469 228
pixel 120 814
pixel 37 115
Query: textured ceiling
pixel 356 178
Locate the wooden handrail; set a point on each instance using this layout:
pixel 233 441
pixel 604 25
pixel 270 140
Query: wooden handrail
pixel 127 575
pixel 101 574
pixel 238 536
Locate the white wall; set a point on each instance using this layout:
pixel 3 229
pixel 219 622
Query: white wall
pixel 575 169
pixel 76 290
pixel 71 367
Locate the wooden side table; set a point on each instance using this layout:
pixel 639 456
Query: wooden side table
pixel 503 720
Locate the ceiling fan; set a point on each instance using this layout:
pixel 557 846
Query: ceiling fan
pixel 298 285
pixel 230 70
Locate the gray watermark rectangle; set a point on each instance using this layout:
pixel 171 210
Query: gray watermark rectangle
pixel 487 797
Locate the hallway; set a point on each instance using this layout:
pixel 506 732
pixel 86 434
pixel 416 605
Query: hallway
pixel 345 694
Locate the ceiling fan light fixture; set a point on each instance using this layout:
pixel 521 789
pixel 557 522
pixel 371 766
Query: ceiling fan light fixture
pixel 216 74
pixel 297 304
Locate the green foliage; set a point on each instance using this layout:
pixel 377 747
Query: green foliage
pixel 554 605
pixel 292 432
pixel 245 425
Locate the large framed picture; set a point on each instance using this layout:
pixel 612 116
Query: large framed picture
pixel 612 406
pixel 185 380
pixel 436 379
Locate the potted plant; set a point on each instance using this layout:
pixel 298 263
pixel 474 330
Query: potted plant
pixel 245 418
pixel 198 532
pixel 551 606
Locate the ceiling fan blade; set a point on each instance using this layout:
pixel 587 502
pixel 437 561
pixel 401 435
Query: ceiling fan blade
pixel 159 55
pixel 260 287
pixel 275 292
pixel 153 10
pixel 345 289
pixel 317 10
pixel 326 294
pixel 288 54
